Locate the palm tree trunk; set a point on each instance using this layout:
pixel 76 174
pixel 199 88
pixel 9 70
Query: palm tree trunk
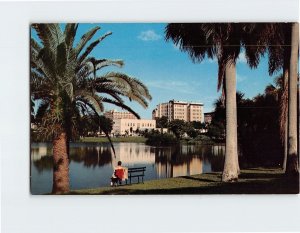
pixel 61 182
pixel 285 147
pixel 283 116
pixel 231 168
pixel 292 160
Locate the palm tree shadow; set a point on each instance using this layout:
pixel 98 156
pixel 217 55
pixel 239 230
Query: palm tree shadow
pixel 258 176
pixel 200 179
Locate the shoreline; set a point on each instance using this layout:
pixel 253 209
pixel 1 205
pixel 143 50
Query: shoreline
pixel 135 139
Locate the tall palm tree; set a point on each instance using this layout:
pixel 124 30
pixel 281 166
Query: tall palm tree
pixel 65 78
pixel 292 160
pixel 277 40
pixel 261 38
pixel 220 40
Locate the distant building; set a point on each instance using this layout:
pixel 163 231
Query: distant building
pixel 129 126
pixel 114 114
pixel 187 111
pixel 208 117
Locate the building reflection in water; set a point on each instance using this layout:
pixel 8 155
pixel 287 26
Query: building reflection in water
pixel 168 161
pixel 39 150
pixel 161 162
pixel 178 161
pixel 133 154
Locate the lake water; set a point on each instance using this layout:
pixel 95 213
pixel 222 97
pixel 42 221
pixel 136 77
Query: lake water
pixel 91 164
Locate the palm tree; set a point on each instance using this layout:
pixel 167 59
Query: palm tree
pixel 281 82
pixel 277 40
pixel 223 41
pixel 292 159
pixel 66 81
pixel 261 38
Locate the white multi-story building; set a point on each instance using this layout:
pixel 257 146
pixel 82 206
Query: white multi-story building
pixel 187 111
pixel 128 126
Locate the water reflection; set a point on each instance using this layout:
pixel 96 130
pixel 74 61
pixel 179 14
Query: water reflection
pixel 91 164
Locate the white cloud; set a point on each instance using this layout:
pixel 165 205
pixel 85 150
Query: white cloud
pixel 149 35
pixel 242 58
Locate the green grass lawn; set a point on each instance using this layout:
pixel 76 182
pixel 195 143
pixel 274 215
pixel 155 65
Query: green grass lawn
pixel 251 181
pixel 119 139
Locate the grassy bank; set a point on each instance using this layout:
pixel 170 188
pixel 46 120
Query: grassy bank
pixel 119 139
pixel 251 181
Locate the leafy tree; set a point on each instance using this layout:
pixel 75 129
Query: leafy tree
pixel 86 124
pixel 216 131
pixel 198 125
pixel 160 139
pixel 66 80
pixel 106 124
pixel 258 128
pixel 190 130
pixel 162 122
pixel 178 127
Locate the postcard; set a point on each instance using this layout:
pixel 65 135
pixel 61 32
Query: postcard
pixel 164 108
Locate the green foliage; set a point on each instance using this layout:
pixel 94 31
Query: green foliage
pixel 114 139
pixel 258 127
pixel 204 139
pixel 216 131
pixel 160 139
pixel 162 122
pixel 198 125
pixel 178 128
pixel 190 130
pixel 192 133
pixel 106 124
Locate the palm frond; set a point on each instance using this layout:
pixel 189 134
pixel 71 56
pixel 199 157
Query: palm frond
pixel 43 107
pixel 91 65
pixel 69 34
pixel 90 48
pixel 61 59
pixel 46 57
pixel 85 39
pixel 131 87
pixel 123 106
pixel 50 34
pixel 92 100
pixel 221 73
pixel 34 46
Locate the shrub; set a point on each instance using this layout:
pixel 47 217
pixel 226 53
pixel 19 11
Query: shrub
pixel 159 139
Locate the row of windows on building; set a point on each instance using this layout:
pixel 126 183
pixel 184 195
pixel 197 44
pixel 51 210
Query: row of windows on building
pixel 139 124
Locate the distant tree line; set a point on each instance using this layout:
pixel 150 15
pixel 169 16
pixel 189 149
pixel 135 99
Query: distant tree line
pixel 87 125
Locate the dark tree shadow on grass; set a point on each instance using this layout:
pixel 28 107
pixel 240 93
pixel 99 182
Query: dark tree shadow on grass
pixel 200 179
pixel 249 183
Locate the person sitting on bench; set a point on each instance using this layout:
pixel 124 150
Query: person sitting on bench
pixel 120 173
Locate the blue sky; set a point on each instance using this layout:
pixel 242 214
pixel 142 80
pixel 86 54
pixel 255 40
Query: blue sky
pixel 166 71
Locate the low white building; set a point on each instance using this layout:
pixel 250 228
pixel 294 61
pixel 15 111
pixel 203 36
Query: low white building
pixel 129 126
